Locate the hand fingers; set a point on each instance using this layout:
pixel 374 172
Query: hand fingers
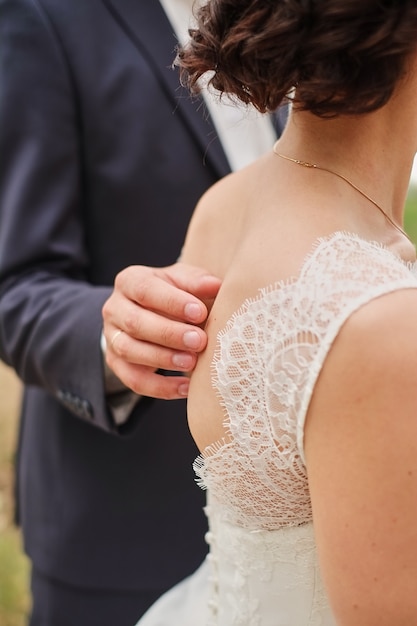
pixel 146 382
pixel 193 280
pixel 155 290
pixel 124 348
pixel 147 326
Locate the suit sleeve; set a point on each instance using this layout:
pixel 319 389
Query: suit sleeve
pixel 50 315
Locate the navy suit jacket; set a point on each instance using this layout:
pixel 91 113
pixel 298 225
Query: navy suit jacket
pixel 103 157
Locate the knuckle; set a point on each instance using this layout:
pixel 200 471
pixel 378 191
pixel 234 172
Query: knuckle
pixel 174 307
pixel 169 335
pixel 104 309
pixel 134 383
pixel 143 290
pixel 132 325
pixel 120 279
pixel 126 276
pixel 161 358
pixel 121 348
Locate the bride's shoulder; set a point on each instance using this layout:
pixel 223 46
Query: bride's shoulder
pixel 346 255
pixel 386 324
pixel 231 192
pixel 374 339
pixel 217 219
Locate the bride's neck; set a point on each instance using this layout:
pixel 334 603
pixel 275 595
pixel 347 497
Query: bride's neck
pixel 375 150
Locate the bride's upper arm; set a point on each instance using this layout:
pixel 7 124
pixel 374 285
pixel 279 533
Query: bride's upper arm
pixel 361 455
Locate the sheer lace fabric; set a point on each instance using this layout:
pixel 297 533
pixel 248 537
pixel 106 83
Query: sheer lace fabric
pixel 262 569
pixel 265 368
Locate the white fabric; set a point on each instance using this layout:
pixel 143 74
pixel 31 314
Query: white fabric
pixel 186 604
pixel 263 565
pixel 244 133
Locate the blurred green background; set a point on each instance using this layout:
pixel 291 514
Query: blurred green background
pixel 14 567
pixel 410 219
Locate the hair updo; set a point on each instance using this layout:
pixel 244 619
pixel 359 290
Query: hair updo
pixel 341 56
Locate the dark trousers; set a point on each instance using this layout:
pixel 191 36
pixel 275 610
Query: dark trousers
pixel 59 604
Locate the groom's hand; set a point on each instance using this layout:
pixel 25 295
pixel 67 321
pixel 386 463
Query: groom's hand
pixel 151 322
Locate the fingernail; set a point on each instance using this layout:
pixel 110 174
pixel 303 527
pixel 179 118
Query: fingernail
pixel 183 389
pixel 193 311
pixel 183 360
pixel 192 339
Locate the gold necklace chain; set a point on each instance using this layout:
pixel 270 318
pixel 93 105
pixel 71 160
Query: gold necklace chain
pixel 349 182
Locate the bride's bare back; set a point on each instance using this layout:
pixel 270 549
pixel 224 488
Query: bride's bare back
pixel 257 230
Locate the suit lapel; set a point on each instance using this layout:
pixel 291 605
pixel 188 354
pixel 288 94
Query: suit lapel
pixel 145 22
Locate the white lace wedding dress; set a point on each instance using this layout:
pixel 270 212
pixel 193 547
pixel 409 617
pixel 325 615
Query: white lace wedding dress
pixel 262 569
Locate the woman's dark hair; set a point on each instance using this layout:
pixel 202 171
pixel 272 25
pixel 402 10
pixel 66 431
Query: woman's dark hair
pixel 342 56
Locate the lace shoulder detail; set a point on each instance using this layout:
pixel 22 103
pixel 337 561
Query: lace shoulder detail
pixel 266 364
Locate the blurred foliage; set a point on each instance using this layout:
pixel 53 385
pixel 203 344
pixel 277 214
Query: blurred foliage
pixel 14 571
pixel 410 218
pixel 14 566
